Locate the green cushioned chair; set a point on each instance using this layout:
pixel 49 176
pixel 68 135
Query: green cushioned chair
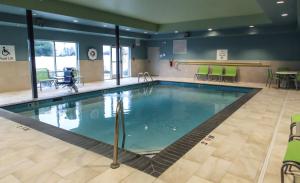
pixel 202 71
pixel 297 80
pixel 291 161
pixel 231 72
pixel 42 76
pixel 271 77
pixel 216 71
pixel 283 69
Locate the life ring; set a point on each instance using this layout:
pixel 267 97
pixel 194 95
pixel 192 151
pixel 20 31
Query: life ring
pixel 92 54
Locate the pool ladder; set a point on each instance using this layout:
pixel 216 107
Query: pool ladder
pixel 145 75
pixel 119 110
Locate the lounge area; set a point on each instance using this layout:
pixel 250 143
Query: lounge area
pixel 150 91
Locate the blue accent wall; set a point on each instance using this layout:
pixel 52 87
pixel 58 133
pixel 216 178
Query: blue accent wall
pixel 276 46
pixel 283 46
pixel 18 36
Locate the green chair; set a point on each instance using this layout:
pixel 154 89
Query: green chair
pixel 291 161
pixel 297 80
pixel 231 72
pixel 216 71
pixel 283 69
pixel 271 77
pixel 202 71
pixel 43 76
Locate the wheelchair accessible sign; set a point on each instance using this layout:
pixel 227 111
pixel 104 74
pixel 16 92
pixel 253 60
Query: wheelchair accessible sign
pixel 7 53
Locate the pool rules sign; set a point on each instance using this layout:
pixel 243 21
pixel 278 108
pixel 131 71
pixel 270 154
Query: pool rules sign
pixel 7 53
pixel 222 54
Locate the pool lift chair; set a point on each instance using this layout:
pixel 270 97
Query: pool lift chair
pixel 69 79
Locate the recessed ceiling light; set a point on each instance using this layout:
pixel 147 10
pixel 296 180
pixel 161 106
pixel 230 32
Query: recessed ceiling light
pixel 284 14
pixel 176 31
pixel 280 2
pixel 75 21
pixel 210 29
pixel 251 26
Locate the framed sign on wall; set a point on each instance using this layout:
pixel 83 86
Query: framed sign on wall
pixel 180 46
pixel 7 53
pixel 222 54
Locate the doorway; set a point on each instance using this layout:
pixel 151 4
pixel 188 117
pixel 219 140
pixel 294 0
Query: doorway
pixel 110 61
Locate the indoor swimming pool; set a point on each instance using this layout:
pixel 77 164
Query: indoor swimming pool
pixel 156 114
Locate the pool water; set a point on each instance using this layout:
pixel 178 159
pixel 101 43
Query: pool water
pixel 155 116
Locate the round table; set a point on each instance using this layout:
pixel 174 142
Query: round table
pixel 285 74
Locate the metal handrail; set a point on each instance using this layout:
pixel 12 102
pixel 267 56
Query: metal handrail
pixel 147 74
pixel 115 164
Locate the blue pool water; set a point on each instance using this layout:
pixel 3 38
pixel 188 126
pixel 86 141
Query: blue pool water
pixel 155 116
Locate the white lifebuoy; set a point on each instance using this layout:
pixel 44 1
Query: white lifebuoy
pixel 92 54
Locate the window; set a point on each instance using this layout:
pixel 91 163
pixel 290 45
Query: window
pixel 55 55
pixel 44 55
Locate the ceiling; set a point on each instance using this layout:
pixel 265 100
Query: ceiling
pixel 174 11
pixel 164 16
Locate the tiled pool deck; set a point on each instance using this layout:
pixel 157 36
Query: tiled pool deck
pixel 236 154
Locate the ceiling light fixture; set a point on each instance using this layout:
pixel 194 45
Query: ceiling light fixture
pixel 145 32
pixel 34 14
pixel 280 2
pixel 284 14
pixel 104 25
pixel 176 31
pixel 128 29
pixel 210 29
pixel 75 21
pixel 251 26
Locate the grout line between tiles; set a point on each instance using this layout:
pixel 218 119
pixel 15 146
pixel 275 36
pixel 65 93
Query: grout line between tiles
pixel 271 146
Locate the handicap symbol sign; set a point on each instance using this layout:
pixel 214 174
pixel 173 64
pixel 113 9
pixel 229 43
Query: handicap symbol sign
pixel 5 52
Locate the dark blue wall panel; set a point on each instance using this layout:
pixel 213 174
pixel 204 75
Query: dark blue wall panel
pixel 249 47
pixel 18 36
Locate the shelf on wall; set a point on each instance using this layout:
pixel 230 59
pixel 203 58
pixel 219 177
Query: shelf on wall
pixel 224 63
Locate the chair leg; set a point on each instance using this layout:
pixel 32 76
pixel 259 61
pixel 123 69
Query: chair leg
pixel 282 173
pixel 270 82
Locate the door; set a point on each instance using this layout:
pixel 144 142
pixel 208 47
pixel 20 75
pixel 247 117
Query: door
pixel 153 57
pixel 110 62
pixel 125 60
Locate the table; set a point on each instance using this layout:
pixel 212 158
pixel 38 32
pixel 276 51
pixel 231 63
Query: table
pixel 285 74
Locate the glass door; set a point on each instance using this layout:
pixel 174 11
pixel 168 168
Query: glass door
pixel 125 57
pixel 113 62
pixel 107 62
pixel 110 62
